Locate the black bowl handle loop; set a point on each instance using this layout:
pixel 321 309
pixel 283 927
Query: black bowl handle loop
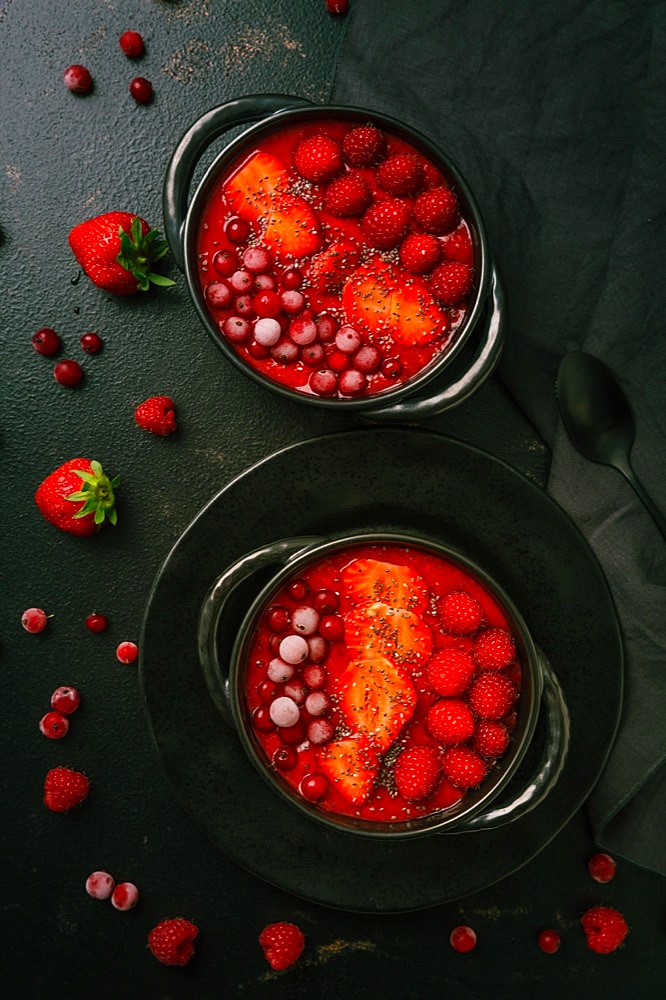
pixel 216 670
pixel 242 111
pixel 550 767
pixel 488 353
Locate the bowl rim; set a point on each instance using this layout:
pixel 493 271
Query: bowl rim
pixel 288 116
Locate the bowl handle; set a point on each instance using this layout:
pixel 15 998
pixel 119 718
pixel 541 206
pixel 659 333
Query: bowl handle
pixel 552 762
pixel 242 111
pixel 487 355
pixel 216 672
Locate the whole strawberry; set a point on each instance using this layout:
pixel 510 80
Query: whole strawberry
pixel 282 944
pixel 78 497
pixel 172 941
pixel 64 789
pixel 117 251
pixel 605 929
pixel 156 415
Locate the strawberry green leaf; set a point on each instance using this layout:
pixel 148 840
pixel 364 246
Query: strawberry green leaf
pixel 97 493
pixel 138 252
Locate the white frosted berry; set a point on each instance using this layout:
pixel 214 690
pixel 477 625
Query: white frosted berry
pixel 293 649
pixel 284 712
pixel 100 885
pixel 318 648
pixel 296 690
pixel 317 703
pixel 267 331
pixel 279 671
pixel 305 620
pixel 347 339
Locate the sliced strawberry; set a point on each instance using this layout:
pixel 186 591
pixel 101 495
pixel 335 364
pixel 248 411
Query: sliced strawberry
pixel 380 299
pixel 375 698
pixel 292 230
pixel 377 629
pixel 250 190
pixel 327 270
pixel 374 580
pixel 351 766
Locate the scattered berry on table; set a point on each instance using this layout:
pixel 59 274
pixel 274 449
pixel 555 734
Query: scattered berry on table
pixel 363 146
pixel 68 372
pixel 337 6
pixel 141 90
pixel 65 788
pixel 157 415
pixel 172 941
pixel 77 79
pixel 282 944
pixel 417 771
pixel 131 44
pixel 100 885
pixel 65 700
pixel 46 341
pixel 78 479
pixel 96 622
pixel 602 867
pixel 451 281
pixel 125 896
pixel 605 929
pixel 54 725
pixel 437 211
pixel 34 620
pixel 127 652
pixel 549 941
pixel 494 649
pixel 491 695
pixel 91 343
pixel 117 250
pixel 463 939
pixel 461 613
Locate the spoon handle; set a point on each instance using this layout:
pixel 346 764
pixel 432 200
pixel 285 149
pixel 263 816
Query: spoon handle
pixel 642 495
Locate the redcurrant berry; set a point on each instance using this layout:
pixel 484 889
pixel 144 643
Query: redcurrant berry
pixel 46 341
pixel 141 90
pixel 132 44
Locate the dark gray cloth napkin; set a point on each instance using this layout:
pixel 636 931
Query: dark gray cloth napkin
pixel 555 115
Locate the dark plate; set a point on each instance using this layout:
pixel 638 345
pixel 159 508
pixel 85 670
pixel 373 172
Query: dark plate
pixel 380 478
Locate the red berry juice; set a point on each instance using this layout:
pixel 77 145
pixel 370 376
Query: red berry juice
pixel 377 625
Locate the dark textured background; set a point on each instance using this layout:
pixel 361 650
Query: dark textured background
pixel 65 158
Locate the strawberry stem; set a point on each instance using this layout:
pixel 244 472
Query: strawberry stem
pixel 138 252
pixel 97 494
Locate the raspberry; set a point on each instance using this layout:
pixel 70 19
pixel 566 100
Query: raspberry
pixel 401 174
pixel 385 223
pixel 451 282
pixel 172 941
pixel 463 768
pixel 492 695
pixel 282 944
pixel 491 738
pixel 458 246
pixel 602 867
pixel 347 195
pixel 419 253
pixel 318 158
pixel 363 146
pixel 549 942
pixel 494 649
pixel 605 929
pixel 437 210
pixel 461 613
pixel 450 721
pixel 417 771
pixel 156 415
pixel 64 789
pixel 450 671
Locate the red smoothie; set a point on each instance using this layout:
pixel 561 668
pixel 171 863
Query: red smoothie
pixel 334 259
pixel 382 683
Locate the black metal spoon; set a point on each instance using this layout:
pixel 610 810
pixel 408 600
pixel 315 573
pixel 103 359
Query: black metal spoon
pixel 598 419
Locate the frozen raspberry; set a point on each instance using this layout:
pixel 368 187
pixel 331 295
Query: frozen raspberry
pixel 450 721
pixel 419 253
pixel 463 768
pixel 491 695
pixel 451 282
pixel 347 195
pixel 494 649
pixel 385 223
pixel 491 738
pixel 602 867
pixel 157 415
pixel 461 613
pixel 417 772
pixel 549 941
pixel 437 210
pixel 362 146
pixel 100 885
pixel 462 939
pixel 318 158
pixel 605 929
pixel 172 941
pixel 401 174
pixel 282 944
pixel 64 789
pixel 450 671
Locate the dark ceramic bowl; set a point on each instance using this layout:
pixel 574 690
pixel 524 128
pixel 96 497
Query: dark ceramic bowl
pixel 450 377
pixel 235 605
